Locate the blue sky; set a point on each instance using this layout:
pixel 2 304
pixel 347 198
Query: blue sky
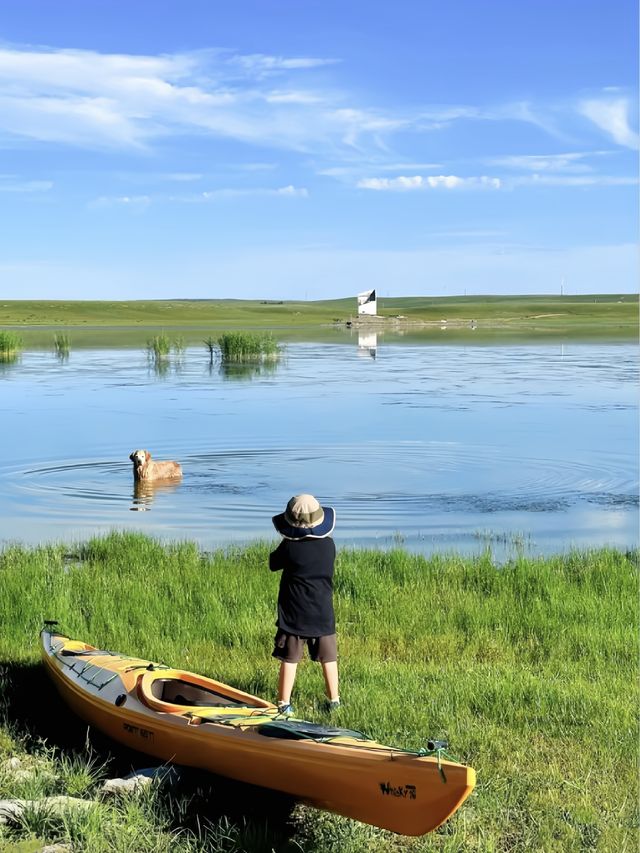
pixel 314 148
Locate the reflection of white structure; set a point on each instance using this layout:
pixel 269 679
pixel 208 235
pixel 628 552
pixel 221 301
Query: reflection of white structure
pixel 367 303
pixel 367 344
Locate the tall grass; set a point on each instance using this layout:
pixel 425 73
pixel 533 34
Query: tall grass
pixel 211 345
pixel 10 346
pixel 61 345
pixel 243 347
pixel 159 350
pixel 158 347
pixel 528 669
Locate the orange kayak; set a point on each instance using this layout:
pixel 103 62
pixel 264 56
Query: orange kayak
pixel 178 716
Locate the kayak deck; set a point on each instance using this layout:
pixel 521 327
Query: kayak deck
pixel 180 716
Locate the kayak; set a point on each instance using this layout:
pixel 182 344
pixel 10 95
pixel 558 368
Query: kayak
pixel 196 721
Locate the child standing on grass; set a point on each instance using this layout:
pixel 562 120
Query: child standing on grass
pixel 306 557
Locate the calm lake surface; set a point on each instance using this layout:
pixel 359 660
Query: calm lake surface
pixel 530 447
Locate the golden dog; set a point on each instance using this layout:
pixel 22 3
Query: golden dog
pixel 144 468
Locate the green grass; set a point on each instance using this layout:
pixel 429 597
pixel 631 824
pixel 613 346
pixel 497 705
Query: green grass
pixel 248 347
pixel 158 347
pixel 61 345
pixel 10 346
pixel 600 317
pixel 529 669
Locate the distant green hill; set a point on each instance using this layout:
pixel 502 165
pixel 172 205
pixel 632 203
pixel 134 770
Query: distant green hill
pixel 609 316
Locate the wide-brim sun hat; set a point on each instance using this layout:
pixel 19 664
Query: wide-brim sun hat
pixel 304 518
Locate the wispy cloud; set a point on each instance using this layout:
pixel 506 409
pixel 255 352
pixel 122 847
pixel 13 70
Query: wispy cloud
pixel 612 115
pixel 405 183
pixel 132 102
pixel 574 180
pixel 139 203
pixel 134 203
pixel 262 64
pixel 182 177
pixel 288 191
pixel 573 161
pixel 15 184
pixel 88 99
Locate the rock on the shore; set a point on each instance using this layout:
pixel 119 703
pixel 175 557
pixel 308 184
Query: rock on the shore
pixel 166 775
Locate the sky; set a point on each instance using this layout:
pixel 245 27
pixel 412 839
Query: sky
pixel 312 149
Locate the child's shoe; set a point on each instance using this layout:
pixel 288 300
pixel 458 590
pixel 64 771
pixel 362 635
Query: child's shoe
pixel 332 705
pixel 285 708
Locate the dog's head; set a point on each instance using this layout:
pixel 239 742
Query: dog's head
pixel 139 458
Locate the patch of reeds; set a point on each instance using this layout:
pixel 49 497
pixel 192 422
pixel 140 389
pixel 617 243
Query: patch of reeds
pixel 61 345
pixel 211 344
pixel 159 347
pixel 528 668
pixel 10 346
pixel 247 347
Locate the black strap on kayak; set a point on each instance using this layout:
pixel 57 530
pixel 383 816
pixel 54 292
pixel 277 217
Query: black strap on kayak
pixel 294 730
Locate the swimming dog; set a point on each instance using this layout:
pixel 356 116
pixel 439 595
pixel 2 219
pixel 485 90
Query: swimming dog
pixel 144 467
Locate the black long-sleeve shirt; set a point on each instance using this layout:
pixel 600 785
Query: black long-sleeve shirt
pixel 305 599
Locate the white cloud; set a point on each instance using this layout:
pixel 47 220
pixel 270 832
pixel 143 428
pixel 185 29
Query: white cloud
pixel 182 177
pixel 424 182
pixel 136 203
pixel 118 101
pixel 612 116
pixel 572 161
pixel 14 184
pixel 288 191
pixel 260 63
pixel 93 100
pixel 357 170
pixel 574 180
pixel 293 191
pixel 299 97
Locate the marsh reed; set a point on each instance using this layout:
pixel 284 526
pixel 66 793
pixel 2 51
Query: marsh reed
pixel 247 347
pixel 158 347
pixel 10 346
pixel 61 345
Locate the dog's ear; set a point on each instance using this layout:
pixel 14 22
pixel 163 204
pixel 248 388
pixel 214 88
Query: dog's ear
pixel 131 455
pixel 147 455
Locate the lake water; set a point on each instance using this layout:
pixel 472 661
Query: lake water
pixel 528 447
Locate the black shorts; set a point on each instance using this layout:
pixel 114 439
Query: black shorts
pixel 289 648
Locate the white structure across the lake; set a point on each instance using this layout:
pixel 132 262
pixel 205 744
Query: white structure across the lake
pixel 367 303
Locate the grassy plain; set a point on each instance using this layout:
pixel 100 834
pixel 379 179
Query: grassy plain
pixel 468 318
pixel 529 669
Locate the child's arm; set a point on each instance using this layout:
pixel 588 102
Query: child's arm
pixel 278 558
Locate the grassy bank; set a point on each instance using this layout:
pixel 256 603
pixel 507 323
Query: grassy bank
pixel 529 670
pixel 559 317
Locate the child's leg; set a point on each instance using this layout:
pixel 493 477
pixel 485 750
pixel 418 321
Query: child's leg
pixel 330 672
pixel 286 680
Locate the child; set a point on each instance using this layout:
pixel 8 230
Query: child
pixel 306 556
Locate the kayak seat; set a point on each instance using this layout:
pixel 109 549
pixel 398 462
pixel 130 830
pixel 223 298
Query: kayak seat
pixel 293 730
pixel 179 692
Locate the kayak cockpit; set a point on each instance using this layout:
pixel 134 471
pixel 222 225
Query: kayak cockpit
pixel 174 691
pixel 177 691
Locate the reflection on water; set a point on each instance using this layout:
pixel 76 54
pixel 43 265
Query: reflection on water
pixel 144 492
pixel 163 367
pixel 367 344
pixel 8 359
pixel 249 369
pixel 438 447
